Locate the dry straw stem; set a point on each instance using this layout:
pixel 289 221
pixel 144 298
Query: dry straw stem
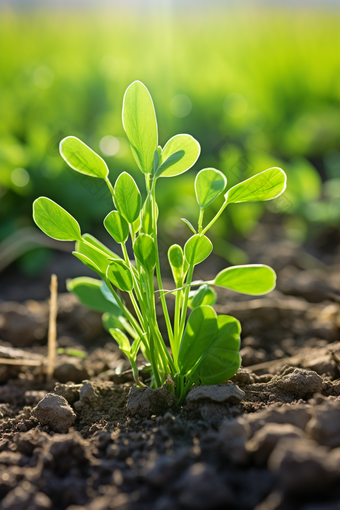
pixel 52 328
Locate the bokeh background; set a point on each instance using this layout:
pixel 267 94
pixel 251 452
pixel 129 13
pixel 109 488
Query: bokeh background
pixel 256 83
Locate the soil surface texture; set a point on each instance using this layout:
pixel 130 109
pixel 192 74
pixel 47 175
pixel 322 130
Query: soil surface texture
pixel 269 439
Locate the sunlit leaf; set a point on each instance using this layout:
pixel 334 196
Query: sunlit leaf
pixel 201 328
pixel 54 221
pixel 140 125
pixel 83 159
pixel 120 276
pixel 97 252
pixel 176 260
pixel 209 184
pixel 205 295
pixel 253 279
pixel 144 249
pixel 266 185
pixel 127 197
pixel 220 359
pixel 179 154
pixel 197 249
pixel 116 226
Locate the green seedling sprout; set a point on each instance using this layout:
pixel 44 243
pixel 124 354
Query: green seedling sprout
pixel 205 346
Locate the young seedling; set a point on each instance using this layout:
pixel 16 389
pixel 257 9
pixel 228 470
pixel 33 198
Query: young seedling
pixel 204 346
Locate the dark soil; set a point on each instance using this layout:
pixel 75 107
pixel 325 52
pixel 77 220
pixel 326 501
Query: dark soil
pixel 268 440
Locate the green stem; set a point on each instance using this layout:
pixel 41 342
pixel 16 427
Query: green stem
pixel 158 267
pixel 186 299
pixel 200 221
pixel 109 185
pixel 215 218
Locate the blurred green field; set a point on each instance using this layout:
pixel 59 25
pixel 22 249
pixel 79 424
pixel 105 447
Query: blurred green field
pixel 257 87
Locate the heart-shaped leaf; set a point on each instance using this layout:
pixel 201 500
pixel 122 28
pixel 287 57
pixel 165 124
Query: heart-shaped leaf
pixel 255 279
pixel 117 227
pixel 140 125
pixel 220 359
pixel 127 197
pixel 89 293
pixel 197 249
pixel 120 275
pixel 201 328
pixel 54 221
pixel 266 185
pixel 179 154
pixel 83 159
pixel 144 249
pixel 209 184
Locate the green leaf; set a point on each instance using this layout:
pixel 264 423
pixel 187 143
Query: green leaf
pixel 127 197
pixel 83 159
pixel 205 295
pixel 197 249
pixel 54 221
pixel 187 222
pixel 118 321
pixel 176 261
pixel 89 293
pixel 140 125
pixel 99 258
pixel 120 275
pixel 88 263
pixel 266 185
pixel 116 226
pixel 144 249
pixel 201 328
pixel 209 184
pixel 255 279
pixel 221 359
pixel 173 159
pixel 122 340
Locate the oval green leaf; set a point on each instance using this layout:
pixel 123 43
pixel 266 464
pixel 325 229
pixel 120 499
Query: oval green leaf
pixel 201 328
pixel 197 249
pixel 120 275
pixel 89 293
pixel 54 221
pixel 253 279
pixel 205 295
pixel 176 261
pixel 221 359
pixel 144 249
pixel 266 185
pixel 127 197
pixel 179 154
pixel 97 252
pixel 209 184
pixel 140 125
pixel 82 159
pixel 116 226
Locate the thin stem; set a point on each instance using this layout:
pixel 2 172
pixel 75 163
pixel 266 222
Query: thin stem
pixel 186 298
pixel 200 221
pixel 158 267
pixel 215 218
pixel 109 185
